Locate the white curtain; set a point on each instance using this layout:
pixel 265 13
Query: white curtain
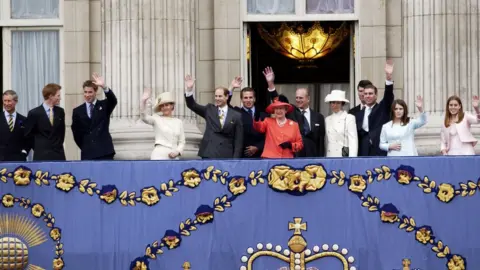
pixel 35 63
pixel 271 6
pixel 318 92
pixel 330 6
pixel 34 9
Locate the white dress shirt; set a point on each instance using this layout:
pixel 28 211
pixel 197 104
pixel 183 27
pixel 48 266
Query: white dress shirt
pixel 367 112
pixel 88 107
pixel 7 116
pixel 224 109
pixel 307 115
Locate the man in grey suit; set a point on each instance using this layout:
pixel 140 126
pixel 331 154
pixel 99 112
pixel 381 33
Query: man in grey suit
pixel 223 137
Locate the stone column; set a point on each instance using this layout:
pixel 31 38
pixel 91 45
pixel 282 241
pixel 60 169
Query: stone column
pixel 77 57
pixel 372 42
pixel 147 44
pixel 441 58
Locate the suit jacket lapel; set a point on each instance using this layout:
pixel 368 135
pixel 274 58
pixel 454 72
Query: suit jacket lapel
pixel 313 119
pixel 228 118
pixel 4 125
pixel 45 115
pixel 216 117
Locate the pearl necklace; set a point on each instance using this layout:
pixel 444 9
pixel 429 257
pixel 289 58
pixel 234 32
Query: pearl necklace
pixel 281 124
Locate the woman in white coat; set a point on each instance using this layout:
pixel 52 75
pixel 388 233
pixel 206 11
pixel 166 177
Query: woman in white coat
pixel 341 128
pixel 398 136
pixel 169 133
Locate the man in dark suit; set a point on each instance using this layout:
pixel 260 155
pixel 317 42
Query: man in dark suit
pixel 91 122
pixel 371 119
pixel 311 123
pixel 14 146
pixel 253 141
pixel 360 88
pixel 223 137
pixel 45 125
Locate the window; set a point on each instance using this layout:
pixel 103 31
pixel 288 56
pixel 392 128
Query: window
pixel 35 62
pixel 300 7
pixel 330 6
pixel 299 10
pixel 34 9
pixel 271 6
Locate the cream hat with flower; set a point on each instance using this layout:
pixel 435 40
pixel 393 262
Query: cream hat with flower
pixel 164 98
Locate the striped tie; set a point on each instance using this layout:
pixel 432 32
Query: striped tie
pixel 221 117
pixel 50 116
pixel 10 122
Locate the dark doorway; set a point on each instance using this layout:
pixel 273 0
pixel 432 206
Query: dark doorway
pixel 331 68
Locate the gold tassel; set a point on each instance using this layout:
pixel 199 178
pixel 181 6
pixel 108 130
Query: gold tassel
pixel 186 265
pixel 406 264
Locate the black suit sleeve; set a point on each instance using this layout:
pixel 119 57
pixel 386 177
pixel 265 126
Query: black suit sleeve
pixel 30 124
pixel 388 98
pixel 201 110
pixel 111 100
pixel 77 137
pixel 273 94
pixel 27 142
pixel 230 94
pixel 238 143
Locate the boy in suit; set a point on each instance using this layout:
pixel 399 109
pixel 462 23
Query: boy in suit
pixel 14 146
pixel 91 121
pixel 45 125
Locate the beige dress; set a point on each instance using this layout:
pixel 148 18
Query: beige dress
pixel 169 135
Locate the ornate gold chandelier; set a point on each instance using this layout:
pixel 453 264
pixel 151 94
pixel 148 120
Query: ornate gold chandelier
pixel 305 46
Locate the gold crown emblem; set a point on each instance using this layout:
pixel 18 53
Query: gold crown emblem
pixel 297 255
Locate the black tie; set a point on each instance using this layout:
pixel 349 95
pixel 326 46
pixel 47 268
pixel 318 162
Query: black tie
pixel 250 112
pixel 91 110
pixel 306 126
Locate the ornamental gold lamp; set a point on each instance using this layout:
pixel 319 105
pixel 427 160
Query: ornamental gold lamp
pixel 297 255
pixel 304 45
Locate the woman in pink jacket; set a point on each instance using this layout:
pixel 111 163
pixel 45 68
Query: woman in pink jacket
pixel 456 137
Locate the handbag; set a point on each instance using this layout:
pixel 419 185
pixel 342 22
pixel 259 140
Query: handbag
pixel 345 149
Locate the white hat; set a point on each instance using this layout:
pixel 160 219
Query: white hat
pixel 336 95
pixel 165 97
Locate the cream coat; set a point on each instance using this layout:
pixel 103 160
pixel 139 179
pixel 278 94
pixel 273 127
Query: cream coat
pixel 341 130
pixel 169 135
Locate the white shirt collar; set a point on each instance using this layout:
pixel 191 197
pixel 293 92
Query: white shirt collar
pixel 224 108
pixel 94 102
pixel 7 114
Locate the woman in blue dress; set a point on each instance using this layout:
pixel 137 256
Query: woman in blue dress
pixel 397 137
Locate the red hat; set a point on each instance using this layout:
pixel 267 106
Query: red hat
pixel 277 104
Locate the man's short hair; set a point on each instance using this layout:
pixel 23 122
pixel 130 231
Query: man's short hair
pixel 225 90
pixel 307 92
pixel 11 93
pixel 247 89
pixel 50 90
pixel 371 86
pixel 89 83
pixel 364 83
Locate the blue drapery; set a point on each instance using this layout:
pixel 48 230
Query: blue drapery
pixel 432 203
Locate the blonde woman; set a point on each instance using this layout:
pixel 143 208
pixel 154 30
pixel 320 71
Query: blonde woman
pixel 341 128
pixel 169 133
pixel 456 137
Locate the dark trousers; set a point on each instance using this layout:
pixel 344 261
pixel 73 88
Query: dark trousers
pixel 107 157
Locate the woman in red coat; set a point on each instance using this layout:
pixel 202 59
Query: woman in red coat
pixel 282 135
